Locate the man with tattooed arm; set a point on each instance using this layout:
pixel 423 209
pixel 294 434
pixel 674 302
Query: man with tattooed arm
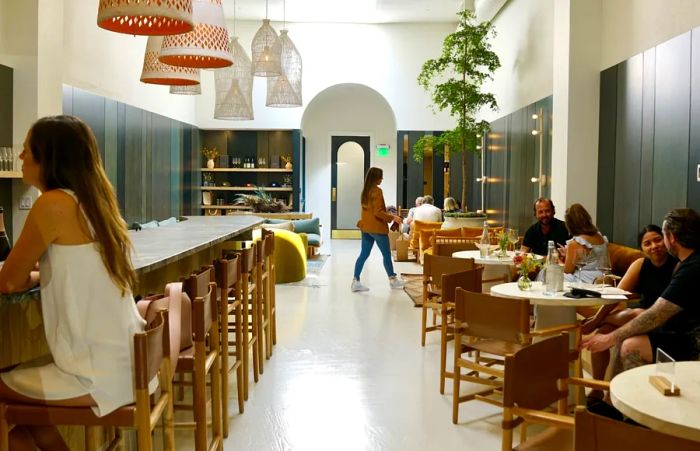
pixel 672 323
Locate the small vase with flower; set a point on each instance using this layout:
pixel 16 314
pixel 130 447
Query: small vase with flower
pixel 525 265
pixel 210 154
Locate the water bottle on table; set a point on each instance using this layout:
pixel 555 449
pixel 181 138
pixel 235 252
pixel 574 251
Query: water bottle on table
pixel 485 241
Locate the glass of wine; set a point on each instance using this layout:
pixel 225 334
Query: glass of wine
pixel 605 268
pixel 580 261
pixel 513 237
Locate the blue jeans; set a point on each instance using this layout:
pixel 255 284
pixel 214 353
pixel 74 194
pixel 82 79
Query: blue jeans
pixel 382 240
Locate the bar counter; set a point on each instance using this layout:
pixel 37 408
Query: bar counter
pixel 161 255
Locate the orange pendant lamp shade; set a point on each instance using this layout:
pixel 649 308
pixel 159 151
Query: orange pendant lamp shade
pixel 157 73
pixel 206 46
pixel 146 17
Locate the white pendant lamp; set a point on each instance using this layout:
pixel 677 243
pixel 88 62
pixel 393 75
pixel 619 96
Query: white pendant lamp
pixel 206 46
pixel 266 50
pixel 191 90
pixel 285 90
pixel 155 72
pixel 234 87
pixel 146 17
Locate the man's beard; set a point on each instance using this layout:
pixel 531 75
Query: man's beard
pixel 673 251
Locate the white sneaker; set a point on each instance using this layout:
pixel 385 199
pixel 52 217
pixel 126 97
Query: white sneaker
pixel 357 286
pixel 396 282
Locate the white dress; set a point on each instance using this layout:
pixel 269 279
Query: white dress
pixel 89 328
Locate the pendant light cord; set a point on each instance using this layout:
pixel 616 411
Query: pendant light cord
pixel 284 14
pixel 265 9
pixel 234 17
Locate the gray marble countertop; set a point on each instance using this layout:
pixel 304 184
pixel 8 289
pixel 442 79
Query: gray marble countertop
pixel 155 248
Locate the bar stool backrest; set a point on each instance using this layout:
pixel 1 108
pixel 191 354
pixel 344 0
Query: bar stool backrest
pixel 198 286
pixel 492 317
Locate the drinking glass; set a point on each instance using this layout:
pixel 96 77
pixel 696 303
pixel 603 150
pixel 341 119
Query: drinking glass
pixel 6 157
pixel 605 268
pixel 513 237
pixel 580 262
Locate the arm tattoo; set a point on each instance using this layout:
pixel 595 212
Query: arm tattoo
pixel 649 320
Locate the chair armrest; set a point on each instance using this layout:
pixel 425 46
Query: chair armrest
pixel 553 330
pixel 590 383
pixel 538 416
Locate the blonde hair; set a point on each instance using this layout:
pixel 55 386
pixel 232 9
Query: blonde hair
pixel 372 179
pixel 450 204
pixel 67 153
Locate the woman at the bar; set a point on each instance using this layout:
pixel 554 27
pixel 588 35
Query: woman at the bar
pixel 75 232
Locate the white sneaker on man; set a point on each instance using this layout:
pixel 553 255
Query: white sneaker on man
pixel 357 286
pixel 396 282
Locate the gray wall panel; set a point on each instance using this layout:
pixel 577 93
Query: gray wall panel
pixel 694 155
pixel 606 150
pixel 647 157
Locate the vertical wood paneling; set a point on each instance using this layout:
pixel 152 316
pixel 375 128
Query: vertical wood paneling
pixel 121 157
pixel 647 158
pixel 111 148
pixel 414 183
pixel 146 165
pixel 694 155
pixel 438 179
pixel 91 109
pixel 456 178
pixel 606 150
pixel 473 202
pixel 175 206
pixel 133 164
pixel 160 174
pixel 671 127
pixel 628 147
pixel 495 170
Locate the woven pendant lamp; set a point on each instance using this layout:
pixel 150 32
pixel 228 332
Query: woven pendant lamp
pixel 285 90
pixel 157 73
pixel 146 17
pixel 206 46
pixel 266 51
pixel 234 87
pixel 191 90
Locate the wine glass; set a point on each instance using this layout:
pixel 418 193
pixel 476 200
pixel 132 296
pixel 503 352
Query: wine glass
pixel 513 237
pixel 605 268
pixel 580 260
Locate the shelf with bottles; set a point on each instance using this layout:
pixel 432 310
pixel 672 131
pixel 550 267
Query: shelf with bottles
pixel 278 170
pixel 248 188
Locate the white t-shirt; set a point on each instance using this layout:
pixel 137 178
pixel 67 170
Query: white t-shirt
pixel 427 212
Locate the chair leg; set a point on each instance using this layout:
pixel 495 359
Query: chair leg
pixel 273 303
pixel 256 336
pixel 223 353
pixel 199 398
pixel 443 350
pixel 456 377
pixel 91 438
pixel 4 429
pixel 424 321
pixel 216 405
pixel 239 356
pixel 245 340
pixel 267 311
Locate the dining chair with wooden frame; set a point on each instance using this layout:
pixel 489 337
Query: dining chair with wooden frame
pixel 151 359
pixel 536 390
pixel 486 325
pixel 597 433
pixel 469 280
pixel 445 246
pixel 433 269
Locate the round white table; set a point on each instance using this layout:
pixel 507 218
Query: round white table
pixel 495 268
pixel 634 396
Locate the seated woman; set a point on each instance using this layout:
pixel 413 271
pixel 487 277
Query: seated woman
pixel 75 232
pixel 647 277
pixel 450 206
pixel 587 250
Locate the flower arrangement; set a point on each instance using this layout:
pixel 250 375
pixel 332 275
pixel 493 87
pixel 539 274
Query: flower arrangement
pixel 502 241
pixel 210 154
pixel 526 264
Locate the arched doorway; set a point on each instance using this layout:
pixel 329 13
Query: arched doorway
pixel 349 165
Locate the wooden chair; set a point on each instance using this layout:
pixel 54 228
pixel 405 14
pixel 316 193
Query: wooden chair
pixel 433 269
pixel 203 358
pixel 263 279
pixel 536 379
pixel 272 282
pixel 228 280
pixel 469 280
pixel 494 325
pixel 151 359
pixel 445 246
pixel 596 433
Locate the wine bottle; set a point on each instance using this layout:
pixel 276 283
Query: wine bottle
pixel 4 240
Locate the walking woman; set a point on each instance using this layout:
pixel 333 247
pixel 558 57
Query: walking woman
pixel 75 232
pixel 373 225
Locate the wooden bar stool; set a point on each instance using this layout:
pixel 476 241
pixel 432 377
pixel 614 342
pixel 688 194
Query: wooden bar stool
pixel 151 359
pixel 228 280
pixel 272 282
pixel 202 359
pixel 264 304
pixel 249 297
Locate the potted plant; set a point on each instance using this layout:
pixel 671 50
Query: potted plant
pixel 261 202
pixel 454 81
pixel 463 219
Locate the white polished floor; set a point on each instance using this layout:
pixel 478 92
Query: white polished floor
pixel 348 373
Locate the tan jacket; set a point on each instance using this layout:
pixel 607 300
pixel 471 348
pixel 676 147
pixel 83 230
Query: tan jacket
pixel 374 216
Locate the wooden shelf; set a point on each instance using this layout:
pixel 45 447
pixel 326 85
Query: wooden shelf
pixel 246 188
pixel 227 207
pixel 247 170
pixel 10 174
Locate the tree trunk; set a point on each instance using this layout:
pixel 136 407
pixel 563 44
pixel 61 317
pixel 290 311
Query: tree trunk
pixel 465 179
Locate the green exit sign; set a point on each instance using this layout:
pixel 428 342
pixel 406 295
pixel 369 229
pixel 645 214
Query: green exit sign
pixel 382 150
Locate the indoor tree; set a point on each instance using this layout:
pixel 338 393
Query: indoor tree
pixel 454 81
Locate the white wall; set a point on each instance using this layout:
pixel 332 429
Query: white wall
pixel 348 109
pixel 524 43
pixel 629 27
pixel 387 58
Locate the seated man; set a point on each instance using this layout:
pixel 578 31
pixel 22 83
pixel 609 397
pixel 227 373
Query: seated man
pixel 547 228
pixel 427 212
pixel 672 323
pixel 409 219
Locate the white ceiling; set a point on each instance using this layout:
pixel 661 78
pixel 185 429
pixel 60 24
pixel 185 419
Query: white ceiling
pixel 347 11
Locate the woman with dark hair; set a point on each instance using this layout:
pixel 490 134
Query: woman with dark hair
pixel 587 251
pixel 648 276
pixel 373 225
pixel 75 232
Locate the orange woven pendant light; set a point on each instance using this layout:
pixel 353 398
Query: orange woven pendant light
pixel 157 73
pixel 146 17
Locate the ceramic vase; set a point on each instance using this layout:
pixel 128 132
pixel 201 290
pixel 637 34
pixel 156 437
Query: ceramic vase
pixel 210 163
